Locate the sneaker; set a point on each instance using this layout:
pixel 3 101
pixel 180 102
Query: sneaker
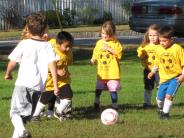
pixel 49 114
pixel 26 134
pixel 97 106
pixel 146 106
pixel 115 107
pixel 164 116
pixel 35 119
pixel 60 117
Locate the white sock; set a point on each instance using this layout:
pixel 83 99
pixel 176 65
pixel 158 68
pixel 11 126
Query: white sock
pixel 159 103
pixel 39 108
pixel 147 96
pixel 167 106
pixel 15 134
pixel 64 103
pixel 18 125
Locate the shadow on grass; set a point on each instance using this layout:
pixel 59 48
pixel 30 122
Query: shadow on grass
pixel 6 98
pixel 90 113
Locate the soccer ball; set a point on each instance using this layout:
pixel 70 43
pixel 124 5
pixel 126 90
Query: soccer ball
pixel 109 116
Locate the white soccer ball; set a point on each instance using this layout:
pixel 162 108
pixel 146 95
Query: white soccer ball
pixel 109 116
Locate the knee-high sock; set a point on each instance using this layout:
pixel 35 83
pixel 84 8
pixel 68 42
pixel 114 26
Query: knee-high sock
pixel 147 96
pixel 64 103
pixel 39 108
pixel 97 96
pixel 160 104
pixel 18 125
pixel 15 134
pixel 167 106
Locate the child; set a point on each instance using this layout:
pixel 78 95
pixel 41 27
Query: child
pixel 34 56
pixel 107 53
pixel 147 54
pixel 62 47
pixel 171 72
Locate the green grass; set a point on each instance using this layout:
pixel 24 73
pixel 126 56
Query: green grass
pixel 134 121
pixel 15 33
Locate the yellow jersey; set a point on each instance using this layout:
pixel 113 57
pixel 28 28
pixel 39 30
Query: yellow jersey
pixel 65 59
pixel 107 63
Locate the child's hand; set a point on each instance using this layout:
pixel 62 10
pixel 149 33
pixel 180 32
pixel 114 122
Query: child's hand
pixel 8 77
pixel 180 79
pixel 56 91
pixel 92 62
pixel 150 75
pixel 106 47
pixel 61 72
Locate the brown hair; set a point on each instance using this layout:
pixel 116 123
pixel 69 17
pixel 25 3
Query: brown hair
pixel 166 32
pixel 146 35
pixel 36 24
pixel 109 27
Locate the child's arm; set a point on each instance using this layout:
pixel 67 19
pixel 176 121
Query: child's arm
pixel 180 78
pixel 153 71
pixel 53 70
pixel 10 68
pixel 141 53
pixel 108 48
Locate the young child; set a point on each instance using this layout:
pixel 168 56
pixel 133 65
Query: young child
pixel 106 54
pixel 171 72
pixel 34 56
pixel 147 54
pixel 62 47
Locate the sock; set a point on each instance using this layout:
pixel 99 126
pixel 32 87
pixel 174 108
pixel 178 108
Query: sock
pixel 147 96
pixel 114 98
pixel 160 103
pixel 64 103
pixel 97 96
pixel 15 134
pixel 39 108
pixel 167 106
pixel 18 125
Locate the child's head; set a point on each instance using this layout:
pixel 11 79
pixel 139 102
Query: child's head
pixel 36 24
pixel 64 40
pixel 151 35
pixel 108 30
pixel 166 34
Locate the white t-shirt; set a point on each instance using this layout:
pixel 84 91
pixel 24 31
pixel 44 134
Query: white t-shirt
pixel 33 57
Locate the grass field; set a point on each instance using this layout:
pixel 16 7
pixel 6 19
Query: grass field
pixel 134 121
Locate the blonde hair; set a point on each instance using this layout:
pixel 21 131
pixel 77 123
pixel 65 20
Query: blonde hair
pixel 146 35
pixel 25 33
pixel 109 27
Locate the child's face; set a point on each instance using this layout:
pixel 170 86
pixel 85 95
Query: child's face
pixel 105 36
pixel 65 46
pixel 165 42
pixel 153 36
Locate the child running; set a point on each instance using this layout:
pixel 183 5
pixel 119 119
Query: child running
pixel 34 55
pixel 107 54
pixel 62 47
pixel 147 54
pixel 171 71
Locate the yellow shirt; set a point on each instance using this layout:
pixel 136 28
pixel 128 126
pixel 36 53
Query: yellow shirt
pixel 107 64
pixel 147 55
pixel 171 62
pixel 65 59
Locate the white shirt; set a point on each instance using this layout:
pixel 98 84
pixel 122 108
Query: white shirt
pixel 33 57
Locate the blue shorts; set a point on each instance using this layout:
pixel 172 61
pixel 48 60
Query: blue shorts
pixel 168 88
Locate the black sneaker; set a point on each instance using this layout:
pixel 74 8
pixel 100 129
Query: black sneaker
pixel 115 107
pixel 26 134
pixel 96 106
pixel 35 119
pixel 164 116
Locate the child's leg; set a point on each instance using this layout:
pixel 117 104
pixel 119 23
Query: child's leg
pixel 114 98
pixel 173 86
pixel 18 125
pixel 35 98
pixel 97 96
pixel 148 87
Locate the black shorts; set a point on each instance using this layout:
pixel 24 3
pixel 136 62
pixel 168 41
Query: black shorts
pixel 49 97
pixel 148 83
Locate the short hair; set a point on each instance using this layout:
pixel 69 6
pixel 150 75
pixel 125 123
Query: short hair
pixel 109 27
pixel 166 32
pixel 64 36
pixel 36 23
